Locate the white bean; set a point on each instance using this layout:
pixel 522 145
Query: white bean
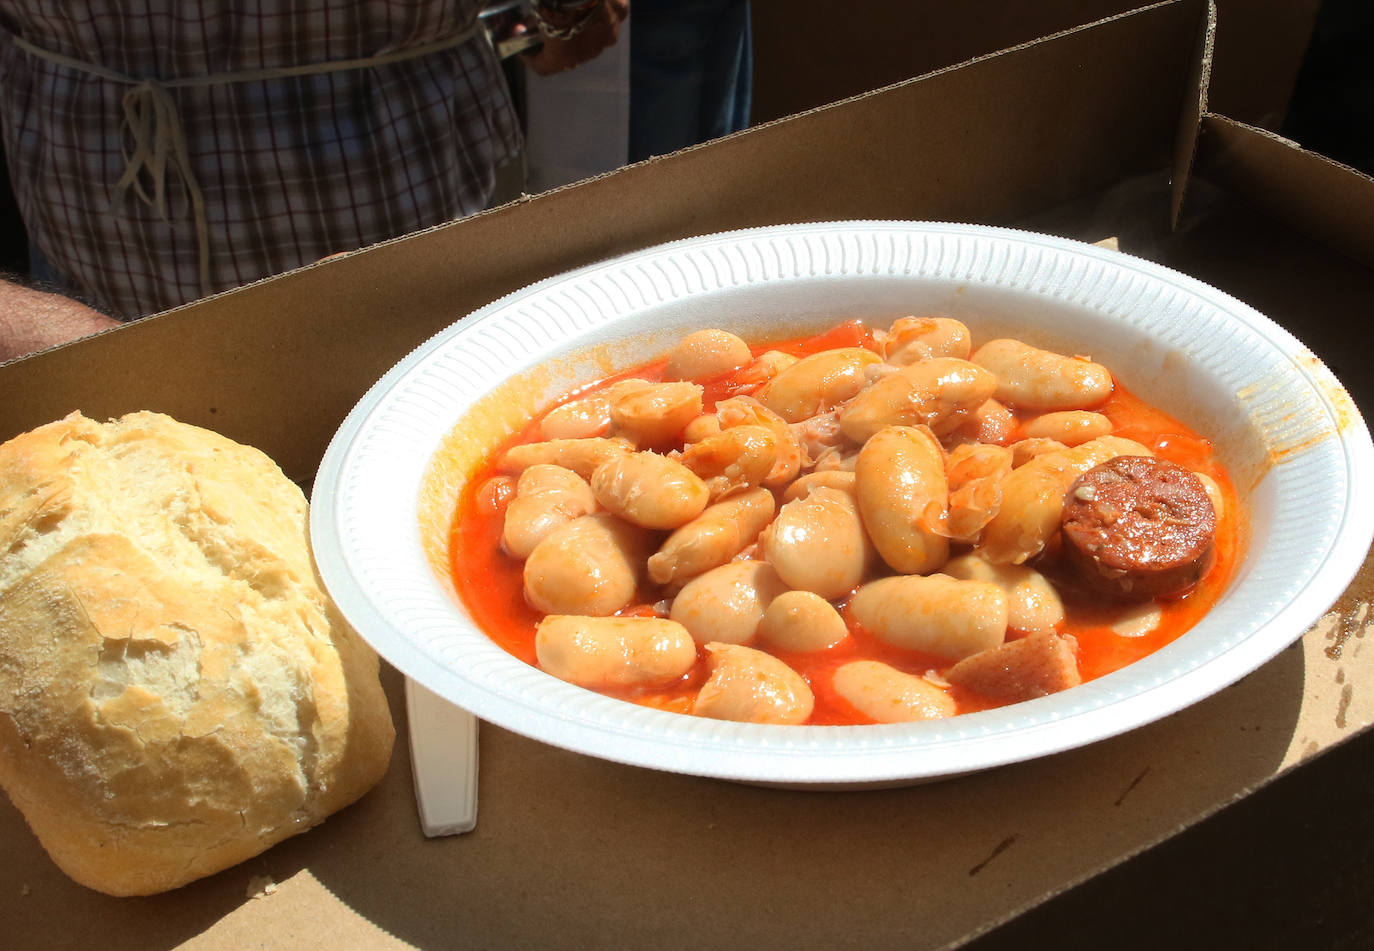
pixel 816 383
pixel 1035 379
pixel 911 339
pixel 841 479
pixel 903 495
pixel 941 393
pixel 876 371
pixel 818 543
pixel 580 455
pixel 937 614
pixel 727 603
pixel 747 411
pixel 707 424
pixel 495 493
pixel 885 694
pixel 706 354
pixel 990 423
pixel 765 366
pixel 1024 450
pixel 589 566
pixel 614 651
pixel 715 536
pixel 734 458
pixel 802 621
pixel 1072 427
pixel 546 497
pixel 749 686
pixel 656 415
pixel 1214 493
pixel 589 416
pixel 650 490
pixel 1032 602
pixel 1137 620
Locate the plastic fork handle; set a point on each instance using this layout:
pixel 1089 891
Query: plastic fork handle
pixel 443 759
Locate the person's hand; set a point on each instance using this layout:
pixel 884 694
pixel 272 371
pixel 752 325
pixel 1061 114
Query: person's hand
pixel 601 29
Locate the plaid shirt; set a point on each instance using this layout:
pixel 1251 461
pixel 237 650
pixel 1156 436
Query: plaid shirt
pixel 288 169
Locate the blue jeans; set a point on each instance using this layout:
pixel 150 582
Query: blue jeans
pixel 691 73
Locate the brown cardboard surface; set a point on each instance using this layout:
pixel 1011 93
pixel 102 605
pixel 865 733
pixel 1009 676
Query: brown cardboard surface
pixel 1258 57
pixel 574 852
pixel 808 53
pixel 1310 193
pixel 1191 112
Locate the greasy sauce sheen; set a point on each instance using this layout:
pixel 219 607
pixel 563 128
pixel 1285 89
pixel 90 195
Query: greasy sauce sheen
pixel 490 583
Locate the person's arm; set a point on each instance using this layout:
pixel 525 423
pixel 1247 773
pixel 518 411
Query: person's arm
pixel 34 320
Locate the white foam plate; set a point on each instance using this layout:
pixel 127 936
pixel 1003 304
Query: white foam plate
pixel 1290 435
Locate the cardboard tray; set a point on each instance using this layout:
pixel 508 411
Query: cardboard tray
pixel 1101 131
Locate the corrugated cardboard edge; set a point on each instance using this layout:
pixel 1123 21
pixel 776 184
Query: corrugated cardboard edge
pixel 1191 112
pixel 1200 78
pixel 1314 195
pixel 806 56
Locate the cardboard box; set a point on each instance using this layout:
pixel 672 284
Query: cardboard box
pixel 1098 132
pixel 809 52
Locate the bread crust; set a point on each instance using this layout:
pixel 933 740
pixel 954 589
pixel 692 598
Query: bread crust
pixel 177 690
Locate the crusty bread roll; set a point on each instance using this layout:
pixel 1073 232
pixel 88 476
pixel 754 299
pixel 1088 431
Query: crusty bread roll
pixel 177 691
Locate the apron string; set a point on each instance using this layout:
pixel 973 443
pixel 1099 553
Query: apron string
pixel 151 137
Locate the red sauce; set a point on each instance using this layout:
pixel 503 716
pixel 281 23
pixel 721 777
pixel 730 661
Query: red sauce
pixel 491 584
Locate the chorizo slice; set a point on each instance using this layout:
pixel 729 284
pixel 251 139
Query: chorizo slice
pixel 1139 527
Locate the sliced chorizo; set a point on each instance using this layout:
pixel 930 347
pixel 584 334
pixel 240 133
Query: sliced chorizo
pixel 1139 527
pixel 1033 498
